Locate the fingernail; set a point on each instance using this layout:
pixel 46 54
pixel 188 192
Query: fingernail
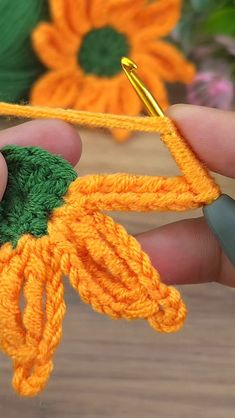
pixel 179 111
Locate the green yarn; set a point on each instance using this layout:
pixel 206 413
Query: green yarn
pixel 37 182
pixel 19 66
pixel 101 51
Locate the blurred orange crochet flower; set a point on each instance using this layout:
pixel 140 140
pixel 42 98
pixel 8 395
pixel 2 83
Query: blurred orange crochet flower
pixel 83 46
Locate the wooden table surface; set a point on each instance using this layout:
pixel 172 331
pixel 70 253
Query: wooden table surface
pixel 117 369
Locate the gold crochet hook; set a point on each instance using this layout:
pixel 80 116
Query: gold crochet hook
pixel 220 214
pixel 144 94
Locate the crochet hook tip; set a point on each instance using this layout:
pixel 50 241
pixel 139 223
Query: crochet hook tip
pixel 144 94
pixel 128 64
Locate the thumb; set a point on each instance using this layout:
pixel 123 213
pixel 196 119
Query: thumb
pixel 210 133
pixel 3 176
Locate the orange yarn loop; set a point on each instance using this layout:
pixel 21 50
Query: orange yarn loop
pixel 104 264
pixel 192 190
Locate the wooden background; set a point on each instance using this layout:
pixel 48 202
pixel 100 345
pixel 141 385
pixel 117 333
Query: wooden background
pixel 115 369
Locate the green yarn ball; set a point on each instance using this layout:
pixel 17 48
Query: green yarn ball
pixel 37 183
pixel 19 66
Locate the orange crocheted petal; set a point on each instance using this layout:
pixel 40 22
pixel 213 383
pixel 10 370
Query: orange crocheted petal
pixel 111 272
pixel 109 95
pixel 121 135
pixel 54 48
pixel 151 78
pixel 123 100
pixel 158 18
pixel 123 16
pixel 128 186
pixel 168 61
pixel 79 16
pixel 93 95
pixel 56 89
pixel 11 327
pixel 71 16
pixel 30 335
pixel 122 192
pixel 144 19
pixel 98 13
pixel 123 5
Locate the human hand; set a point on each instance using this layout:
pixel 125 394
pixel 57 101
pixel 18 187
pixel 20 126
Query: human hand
pixel 187 252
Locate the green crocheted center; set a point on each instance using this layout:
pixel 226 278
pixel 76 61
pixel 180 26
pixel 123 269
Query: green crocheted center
pixel 37 182
pixel 101 51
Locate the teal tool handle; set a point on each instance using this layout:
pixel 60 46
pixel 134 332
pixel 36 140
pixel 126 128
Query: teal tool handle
pixel 220 217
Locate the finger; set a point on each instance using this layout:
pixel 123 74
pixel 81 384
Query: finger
pixel 3 176
pixel 186 252
pixel 211 134
pixel 52 135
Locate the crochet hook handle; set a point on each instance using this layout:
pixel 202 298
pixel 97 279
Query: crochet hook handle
pixel 144 94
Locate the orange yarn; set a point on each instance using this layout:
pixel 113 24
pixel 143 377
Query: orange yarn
pixel 105 265
pixel 194 189
pixel 84 69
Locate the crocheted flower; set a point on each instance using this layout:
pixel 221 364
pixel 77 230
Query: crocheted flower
pixel 83 45
pixel 50 226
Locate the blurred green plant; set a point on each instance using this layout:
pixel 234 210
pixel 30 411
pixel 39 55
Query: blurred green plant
pixel 202 19
pixel 206 34
pixel 222 20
